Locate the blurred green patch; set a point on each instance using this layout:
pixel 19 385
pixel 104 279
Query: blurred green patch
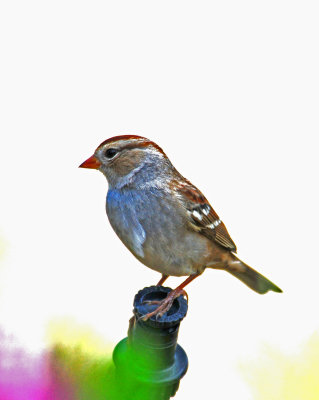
pixel 90 377
pixel 81 367
pixel 81 361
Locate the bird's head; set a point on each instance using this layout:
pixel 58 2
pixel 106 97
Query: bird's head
pixel 124 158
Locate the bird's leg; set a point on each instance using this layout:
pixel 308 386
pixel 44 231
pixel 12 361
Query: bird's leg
pixel 165 304
pixel 162 280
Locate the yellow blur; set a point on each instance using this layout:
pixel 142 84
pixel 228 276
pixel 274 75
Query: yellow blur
pixel 279 376
pixel 67 333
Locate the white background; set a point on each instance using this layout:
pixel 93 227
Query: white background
pixel 230 91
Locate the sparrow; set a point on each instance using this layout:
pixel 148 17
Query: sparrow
pixel 163 219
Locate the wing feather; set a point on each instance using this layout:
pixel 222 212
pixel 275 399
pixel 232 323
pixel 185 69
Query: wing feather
pixel 201 214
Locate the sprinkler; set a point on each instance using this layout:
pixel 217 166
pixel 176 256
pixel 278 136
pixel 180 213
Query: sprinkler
pixel 149 363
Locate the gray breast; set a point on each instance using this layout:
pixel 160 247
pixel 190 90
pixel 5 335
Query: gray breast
pixel 122 211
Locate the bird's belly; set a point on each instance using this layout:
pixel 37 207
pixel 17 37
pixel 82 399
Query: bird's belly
pixel 158 236
pixel 174 253
pixel 179 255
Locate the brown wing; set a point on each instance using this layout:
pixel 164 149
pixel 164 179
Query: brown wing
pixel 202 215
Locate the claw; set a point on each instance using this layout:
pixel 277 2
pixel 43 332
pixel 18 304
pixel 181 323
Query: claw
pixel 151 302
pixel 164 305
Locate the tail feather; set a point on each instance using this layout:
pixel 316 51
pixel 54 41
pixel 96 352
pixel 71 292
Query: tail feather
pixel 250 277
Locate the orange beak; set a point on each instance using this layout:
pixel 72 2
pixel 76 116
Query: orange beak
pixel 91 162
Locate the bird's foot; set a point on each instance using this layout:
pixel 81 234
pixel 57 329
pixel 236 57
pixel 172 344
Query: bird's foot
pixel 165 304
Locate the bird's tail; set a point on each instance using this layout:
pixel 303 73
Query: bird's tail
pixel 250 277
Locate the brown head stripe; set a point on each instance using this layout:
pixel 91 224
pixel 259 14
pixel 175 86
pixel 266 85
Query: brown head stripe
pixel 141 142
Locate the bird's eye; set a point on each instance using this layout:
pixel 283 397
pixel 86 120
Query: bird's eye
pixel 110 153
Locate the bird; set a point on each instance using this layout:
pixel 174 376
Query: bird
pixel 163 219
